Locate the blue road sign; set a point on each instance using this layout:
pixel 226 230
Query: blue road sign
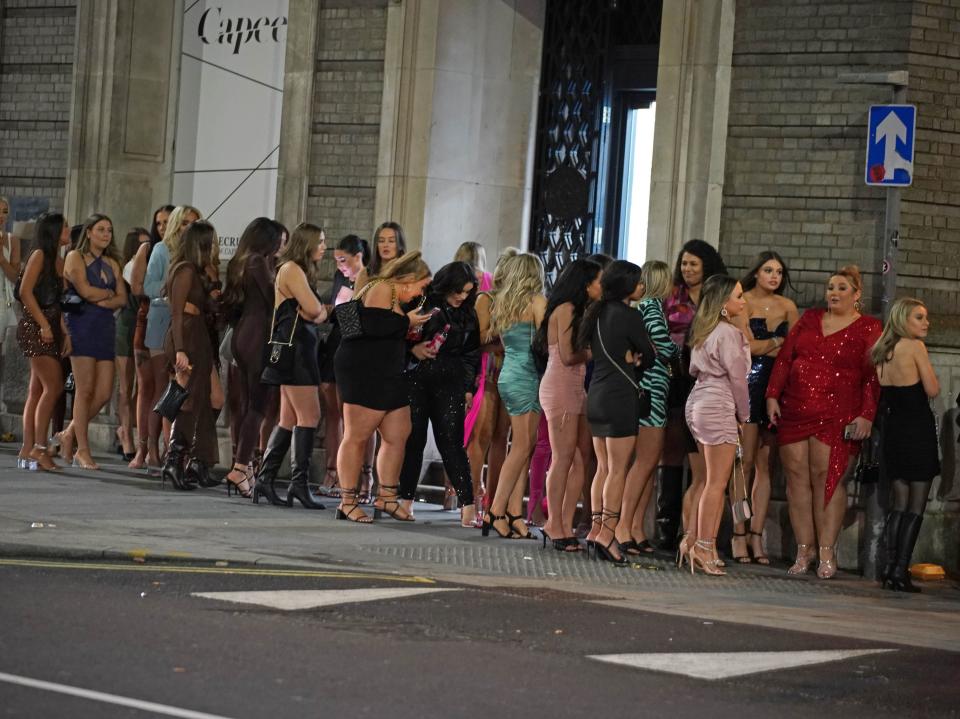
pixel 891 130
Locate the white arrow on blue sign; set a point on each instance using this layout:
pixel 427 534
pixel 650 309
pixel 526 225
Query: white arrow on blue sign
pixel 891 131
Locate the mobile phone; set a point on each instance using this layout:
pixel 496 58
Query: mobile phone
pixel 849 431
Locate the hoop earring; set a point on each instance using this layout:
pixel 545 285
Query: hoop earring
pixel 723 312
pixel 857 306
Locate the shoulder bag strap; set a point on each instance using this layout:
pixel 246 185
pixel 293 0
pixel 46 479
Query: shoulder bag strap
pixel 619 368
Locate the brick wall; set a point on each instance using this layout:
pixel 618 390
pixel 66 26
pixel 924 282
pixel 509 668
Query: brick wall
pixel 797 137
pixel 346 116
pixel 36 70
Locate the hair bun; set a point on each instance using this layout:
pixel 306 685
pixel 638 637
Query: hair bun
pixel 852 272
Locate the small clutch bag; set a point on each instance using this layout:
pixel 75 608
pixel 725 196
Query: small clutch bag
pixel 168 406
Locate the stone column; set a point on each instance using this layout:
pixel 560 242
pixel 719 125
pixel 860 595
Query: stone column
pixel 458 122
pixel 123 111
pixel 693 93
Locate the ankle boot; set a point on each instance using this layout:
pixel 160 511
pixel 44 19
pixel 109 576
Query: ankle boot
pixel 276 450
pixel 300 469
pixel 669 506
pixel 173 466
pixel 891 530
pixel 199 473
pixel 906 541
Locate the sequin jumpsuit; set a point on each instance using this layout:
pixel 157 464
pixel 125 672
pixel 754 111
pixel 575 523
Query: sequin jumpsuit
pixel 823 384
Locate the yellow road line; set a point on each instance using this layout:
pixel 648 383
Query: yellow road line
pixel 293 573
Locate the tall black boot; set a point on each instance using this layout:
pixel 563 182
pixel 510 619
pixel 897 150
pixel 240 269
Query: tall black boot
pixel 199 473
pixel 669 506
pixel 300 469
pixel 173 466
pixel 276 450
pixel 906 541
pixel 891 531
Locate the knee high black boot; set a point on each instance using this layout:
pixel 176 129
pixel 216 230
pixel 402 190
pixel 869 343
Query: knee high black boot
pixel 273 456
pixel 669 506
pixel 891 532
pixel 906 541
pixel 300 469
pixel 173 466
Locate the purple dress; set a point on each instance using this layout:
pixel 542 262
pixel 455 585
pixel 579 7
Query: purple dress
pixel 720 398
pixel 93 329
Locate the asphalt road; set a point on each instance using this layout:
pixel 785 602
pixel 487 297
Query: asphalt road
pixel 138 633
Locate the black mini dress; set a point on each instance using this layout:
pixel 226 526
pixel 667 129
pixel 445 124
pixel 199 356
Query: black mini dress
pixel 370 368
pixel 910 447
pixel 295 365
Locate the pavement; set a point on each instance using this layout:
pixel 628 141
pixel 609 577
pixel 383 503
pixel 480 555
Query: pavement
pixel 124 516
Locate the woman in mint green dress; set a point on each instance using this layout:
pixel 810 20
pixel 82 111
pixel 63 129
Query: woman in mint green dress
pixel 517 313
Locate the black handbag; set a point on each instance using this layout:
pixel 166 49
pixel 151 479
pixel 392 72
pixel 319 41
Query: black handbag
pixel 643 397
pixel 72 303
pixel 281 343
pixel 348 314
pixel 168 406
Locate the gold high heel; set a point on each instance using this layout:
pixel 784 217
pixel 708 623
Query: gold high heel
pixel 708 565
pixel 826 568
pixel 803 562
pixel 683 550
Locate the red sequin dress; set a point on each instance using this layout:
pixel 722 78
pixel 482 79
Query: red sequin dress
pixel 823 384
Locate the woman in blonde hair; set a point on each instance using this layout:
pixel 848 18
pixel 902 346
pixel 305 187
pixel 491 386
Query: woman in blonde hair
pixel 369 369
pixel 93 272
pixel 657 281
pixel 718 404
pixel 158 314
pixel 910 452
pixel 517 314
pixel 822 397
pixel 293 364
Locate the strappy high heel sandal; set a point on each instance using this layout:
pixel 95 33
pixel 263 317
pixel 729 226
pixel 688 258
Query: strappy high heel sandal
pixel 349 509
pixel 389 494
pixel 514 534
pixel 742 558
pixel 40 454
pixel 759 557
pixel 683 550
pixel 331 488
pixel 703 555
pixel 803 562
pixel 489 519
pixel 81 462
pixel 596 520
pixel 826 568
pixel 241 487
pixel 604 550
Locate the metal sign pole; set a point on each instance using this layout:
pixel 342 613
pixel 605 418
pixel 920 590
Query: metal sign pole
pixel 891 229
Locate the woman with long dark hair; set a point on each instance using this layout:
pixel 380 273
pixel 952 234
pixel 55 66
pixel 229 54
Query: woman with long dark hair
pixel 148 452
pixel 389 243
pixel 42 335
pixel 563 397
pixel 370 379
pixel 910 448
pixel 93 272
pixel 191 353
pixel 248 299
pixel 517 314
pixel 621 352
pixel 293 365
pixel 768 319
pixel 717 405
pixel 442 382
pixel 696 263
pixel 126 328
pixel 822 397
pixel 350 256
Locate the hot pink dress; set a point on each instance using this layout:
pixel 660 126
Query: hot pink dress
pixel 720 398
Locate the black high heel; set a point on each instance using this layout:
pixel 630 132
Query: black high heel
pixel 348 498
pixel 603 550
pixel 390 498
pixel 243 486
pixel 488 523
pixel 595 518
pixel 559 544
pixel 514 534
pixel 270 463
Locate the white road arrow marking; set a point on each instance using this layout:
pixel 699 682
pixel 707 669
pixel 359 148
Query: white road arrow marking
pixel 290 600
pixel 889 131
pixel 723 665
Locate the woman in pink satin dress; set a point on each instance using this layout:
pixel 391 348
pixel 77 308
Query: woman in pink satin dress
pixel 563 397
pixel 718 403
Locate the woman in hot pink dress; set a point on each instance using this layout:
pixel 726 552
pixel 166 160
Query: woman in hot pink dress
pixel 718 403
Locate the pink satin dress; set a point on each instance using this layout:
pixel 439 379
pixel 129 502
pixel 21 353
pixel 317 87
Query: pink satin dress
pixel 561 387
pixel 719 399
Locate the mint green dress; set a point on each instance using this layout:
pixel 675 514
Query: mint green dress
pixel 519 383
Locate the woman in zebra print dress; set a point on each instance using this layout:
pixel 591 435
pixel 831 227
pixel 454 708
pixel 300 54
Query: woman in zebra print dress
pixel 657 283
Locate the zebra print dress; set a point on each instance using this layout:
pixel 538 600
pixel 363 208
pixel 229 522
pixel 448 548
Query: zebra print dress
pixel 656 380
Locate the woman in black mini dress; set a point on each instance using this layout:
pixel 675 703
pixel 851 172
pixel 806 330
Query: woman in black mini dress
pixel 292 364
pixel 371 382
pixel 910 448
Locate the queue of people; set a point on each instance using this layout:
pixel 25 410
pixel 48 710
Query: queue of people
pixel 637 372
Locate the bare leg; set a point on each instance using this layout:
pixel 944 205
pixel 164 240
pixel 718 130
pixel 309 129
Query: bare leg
pixel 719 461
pixel 577 476
pixel 158 426
pixel 796 465
pixel 637 530
pixel 750 444
pixel 649 444
pixel 596 488
pixel 828 519
pixel 30 429
pixel 359 424
pixel 85 377
pixel 125 402
pixel 146 453
pixel 760 500
pixel 497 454
pixel 332 432
pixel 619 451
pixel 563 431
pixel 524 428
pixel 691 500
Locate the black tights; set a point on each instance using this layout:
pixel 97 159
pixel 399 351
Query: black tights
pixel 910 496
pixel 440 402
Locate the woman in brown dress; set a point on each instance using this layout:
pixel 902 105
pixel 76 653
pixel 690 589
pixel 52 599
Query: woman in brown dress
pixel 189 350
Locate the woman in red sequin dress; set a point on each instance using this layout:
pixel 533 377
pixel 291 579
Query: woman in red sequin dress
pixel 822 397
